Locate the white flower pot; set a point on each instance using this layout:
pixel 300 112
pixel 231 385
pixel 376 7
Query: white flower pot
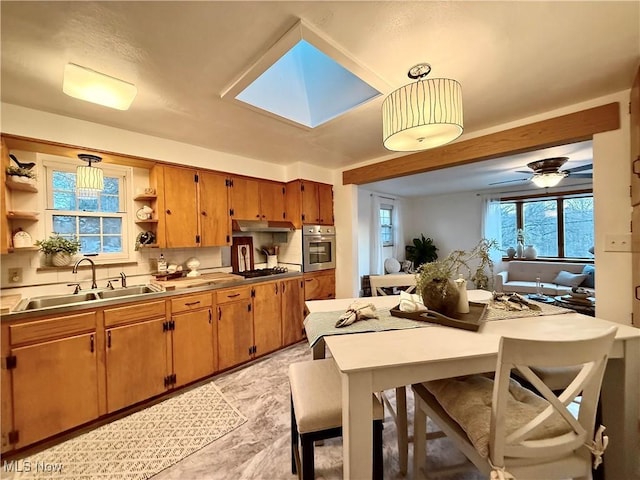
pixel 60 259
pixel 530 252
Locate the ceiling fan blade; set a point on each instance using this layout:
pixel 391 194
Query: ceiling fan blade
pixel 509 181
pixel 581 175
pixel 580 168
pixel 523 171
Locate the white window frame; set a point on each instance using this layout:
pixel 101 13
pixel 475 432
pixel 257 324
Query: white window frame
pixel 389 207
pixel 125 174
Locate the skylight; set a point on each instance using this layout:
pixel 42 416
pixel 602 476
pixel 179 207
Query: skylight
pixel 305 79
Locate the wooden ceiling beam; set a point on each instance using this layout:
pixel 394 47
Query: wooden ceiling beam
pixel 571 128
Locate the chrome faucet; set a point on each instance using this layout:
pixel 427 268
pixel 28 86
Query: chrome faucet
pixel 93 270
pixel 123 279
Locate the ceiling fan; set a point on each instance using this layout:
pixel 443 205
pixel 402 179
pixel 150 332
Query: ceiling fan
pixel 547 173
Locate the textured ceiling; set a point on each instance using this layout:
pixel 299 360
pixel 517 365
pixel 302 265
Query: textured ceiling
pixel 513 59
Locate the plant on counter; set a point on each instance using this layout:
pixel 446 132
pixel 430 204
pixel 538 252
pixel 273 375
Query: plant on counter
pixel 435 279
pixel 20 172
pixel 58 249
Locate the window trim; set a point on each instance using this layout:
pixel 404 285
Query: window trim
pixel 125 174
pixel 559 197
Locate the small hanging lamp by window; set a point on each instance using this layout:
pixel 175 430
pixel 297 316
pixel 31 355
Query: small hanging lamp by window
pixel 422 115
pixel 89 180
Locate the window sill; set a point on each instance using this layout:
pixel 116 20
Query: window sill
pixel 84 266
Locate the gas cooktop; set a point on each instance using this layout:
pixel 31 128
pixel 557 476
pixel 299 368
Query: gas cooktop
pixel 262 272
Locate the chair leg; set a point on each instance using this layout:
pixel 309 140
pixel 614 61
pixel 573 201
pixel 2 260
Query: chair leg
pixel 294 440
pixel 402 428
pixel 308 464
pixel 378 464
pixel 419 440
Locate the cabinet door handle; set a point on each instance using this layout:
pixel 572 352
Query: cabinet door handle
pixel 210 316
pixel 219 314
pixel 188 304
pixel 234 295
pixel 637 290
pixel 636 162
pixel 276 285
pixel 168 211
pixel 204 214
pixel 91 342
pixel 258 216
pixel 109 339
pixel 284 285
pixel 309 280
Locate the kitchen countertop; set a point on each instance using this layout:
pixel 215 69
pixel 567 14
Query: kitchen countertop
pixel 70 308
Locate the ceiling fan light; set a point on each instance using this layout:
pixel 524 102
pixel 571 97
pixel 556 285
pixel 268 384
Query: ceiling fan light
pixel 422 115
pixel 546 180
pixel 95 87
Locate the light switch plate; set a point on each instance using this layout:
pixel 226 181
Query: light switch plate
pixel 618 242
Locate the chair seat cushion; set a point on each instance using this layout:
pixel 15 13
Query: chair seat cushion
pixel 468 402
pixel 316 393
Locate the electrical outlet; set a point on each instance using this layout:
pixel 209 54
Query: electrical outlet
pixel 620 242
pixel 15 275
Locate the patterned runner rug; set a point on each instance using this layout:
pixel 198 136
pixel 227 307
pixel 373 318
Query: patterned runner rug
pixel 139 445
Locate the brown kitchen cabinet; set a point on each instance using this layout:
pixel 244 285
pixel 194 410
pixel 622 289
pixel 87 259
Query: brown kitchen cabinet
pixel 292 310
pixel 253 199
pixel 54 369
pixel 192 207
pixel 320 285
pixel 5 237
pixel 194 338
pixel 235 326
pixel 309 203
pixel 136 353
pixel 267 319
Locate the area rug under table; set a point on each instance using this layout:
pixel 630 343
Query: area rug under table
pixel 139 445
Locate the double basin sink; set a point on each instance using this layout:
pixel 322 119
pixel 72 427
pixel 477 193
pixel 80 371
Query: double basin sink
pixel 35 303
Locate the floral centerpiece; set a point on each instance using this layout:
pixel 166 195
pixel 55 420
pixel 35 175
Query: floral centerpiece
pixel 435 279
pixel 60 249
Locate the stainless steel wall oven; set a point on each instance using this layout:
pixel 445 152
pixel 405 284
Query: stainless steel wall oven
pixel 318 247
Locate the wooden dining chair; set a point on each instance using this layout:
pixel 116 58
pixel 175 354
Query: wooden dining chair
pixel 508 431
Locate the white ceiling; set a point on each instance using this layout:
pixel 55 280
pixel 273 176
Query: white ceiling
pixel 513 59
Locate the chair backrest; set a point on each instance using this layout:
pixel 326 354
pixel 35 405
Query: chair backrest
pixel 378 282
pixel 590 355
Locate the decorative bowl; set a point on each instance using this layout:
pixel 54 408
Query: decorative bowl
pixel 579 293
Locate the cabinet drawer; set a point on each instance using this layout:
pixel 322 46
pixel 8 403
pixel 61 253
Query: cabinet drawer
pixel 140 311
pixel 191 302
pixel 233 295
pixel 42 330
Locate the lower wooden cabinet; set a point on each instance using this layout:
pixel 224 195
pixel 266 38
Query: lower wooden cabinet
pixel 136 363
pixel 54 380
pixel 292 310
pixel 194 338
pixel 267 320
pixel 320 285
pixel 235 326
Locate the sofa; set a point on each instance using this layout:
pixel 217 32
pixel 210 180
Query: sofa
pixel 556 278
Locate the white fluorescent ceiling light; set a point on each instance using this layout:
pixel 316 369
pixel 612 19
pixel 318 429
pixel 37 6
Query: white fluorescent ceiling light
pixel 95 87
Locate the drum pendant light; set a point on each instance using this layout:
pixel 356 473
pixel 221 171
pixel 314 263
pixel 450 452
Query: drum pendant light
pixel 424 114
pixel 89 180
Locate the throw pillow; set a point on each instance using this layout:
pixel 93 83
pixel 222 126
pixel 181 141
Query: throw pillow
pixel 569 279
pixel 391 265
pixel 590 272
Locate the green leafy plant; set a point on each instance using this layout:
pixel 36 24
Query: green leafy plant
pixel 58 244
pixel 20 172
pixel 422 251
pixel 476 265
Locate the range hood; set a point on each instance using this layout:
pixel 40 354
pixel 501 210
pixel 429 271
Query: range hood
pixel 261 226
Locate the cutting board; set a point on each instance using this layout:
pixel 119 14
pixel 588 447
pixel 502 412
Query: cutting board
pixel 9 302
pixel 204 279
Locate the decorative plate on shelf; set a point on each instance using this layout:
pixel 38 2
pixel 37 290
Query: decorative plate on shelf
pixel 22 239
pixel 144 213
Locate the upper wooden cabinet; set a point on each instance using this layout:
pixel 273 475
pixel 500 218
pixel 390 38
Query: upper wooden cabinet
pixel 192 207
pixel 253 199
pixel 309 203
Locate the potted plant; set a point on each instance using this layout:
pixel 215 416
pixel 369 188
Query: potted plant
pixel 59 249
pixel 435 279
pixel 422 251
pixel 20 174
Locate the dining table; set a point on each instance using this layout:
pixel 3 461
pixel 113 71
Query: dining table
pixel 374 361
